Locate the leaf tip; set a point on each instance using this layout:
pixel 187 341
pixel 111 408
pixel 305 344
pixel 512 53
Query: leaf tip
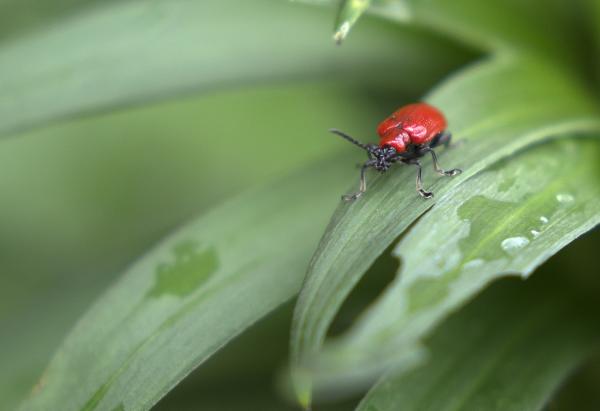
pixel 341 33
pixel 302 388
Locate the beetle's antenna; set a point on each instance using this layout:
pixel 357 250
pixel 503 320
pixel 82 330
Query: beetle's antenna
pixel 350 139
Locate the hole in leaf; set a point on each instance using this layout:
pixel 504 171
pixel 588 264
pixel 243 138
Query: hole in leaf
pixel 369 288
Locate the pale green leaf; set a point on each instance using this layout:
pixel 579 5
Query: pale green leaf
pixel 131 52
pixel 348 13
pixel 494 109
pixel 550 28
pixel 193 293
pixel 21 16
pixel 66 240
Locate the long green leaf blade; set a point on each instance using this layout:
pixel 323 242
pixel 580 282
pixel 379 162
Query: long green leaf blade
pixel 188 297
pixel 506 220
pixel 507 351
pixel 127 52
pixel 348 13
pixel 538 26
pixel 534 102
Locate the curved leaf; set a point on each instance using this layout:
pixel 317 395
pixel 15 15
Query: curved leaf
pixel 506 220
pixel 121 53
pixel 21 16
pixel 534 102
pixel 538 27
pixel 545 28
pixel 349 11
pixel 348 14
pixel 188 297
pixel 508 351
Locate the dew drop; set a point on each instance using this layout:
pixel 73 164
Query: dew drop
pixel 544 220
pixel 473 263
pixel 535 233
pixel 513 244
pixel 564 198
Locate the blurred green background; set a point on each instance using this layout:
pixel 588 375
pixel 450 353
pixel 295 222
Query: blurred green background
pixel 82 198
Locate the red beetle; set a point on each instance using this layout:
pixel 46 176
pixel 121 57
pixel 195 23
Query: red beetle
pixel 407 135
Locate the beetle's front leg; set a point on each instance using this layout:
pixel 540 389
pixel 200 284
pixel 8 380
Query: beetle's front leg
pixel 363 183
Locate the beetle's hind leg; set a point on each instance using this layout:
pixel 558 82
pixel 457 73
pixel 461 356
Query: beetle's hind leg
pixel 441 171
pixel 363 183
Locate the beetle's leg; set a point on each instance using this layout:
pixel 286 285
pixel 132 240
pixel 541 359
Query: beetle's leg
pixel 441 171
pixel 363 183
pixel 423 193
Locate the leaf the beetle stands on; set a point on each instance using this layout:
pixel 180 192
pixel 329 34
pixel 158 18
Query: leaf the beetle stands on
pixel 538 203
pixel 533 103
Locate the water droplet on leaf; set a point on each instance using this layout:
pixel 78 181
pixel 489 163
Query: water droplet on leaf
pixel 473 263
pixel 564 198
pixel 513 245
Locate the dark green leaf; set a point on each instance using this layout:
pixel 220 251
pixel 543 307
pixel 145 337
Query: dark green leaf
pixel 506 351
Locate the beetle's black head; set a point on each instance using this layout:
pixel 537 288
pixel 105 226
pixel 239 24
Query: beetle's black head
pixel 381 158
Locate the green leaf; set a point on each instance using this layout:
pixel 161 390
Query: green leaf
pixel 538 204
pixel 66 241
pixel 193 293
pixel 540 27
pixel 508 350
pixel 121 53
pixel 18 17
pixel 534 102
pixel 594 23
pixel 348 13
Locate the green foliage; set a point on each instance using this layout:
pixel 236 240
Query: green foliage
pixel 535 102
pixel 187 298
pixel 497 356
pixel 122 53
pixel 533 105
pixel 83 198
pixel 348 14
pixel 538 204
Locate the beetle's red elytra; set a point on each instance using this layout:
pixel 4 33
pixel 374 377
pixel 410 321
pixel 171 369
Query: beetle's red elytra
pixel 405 136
